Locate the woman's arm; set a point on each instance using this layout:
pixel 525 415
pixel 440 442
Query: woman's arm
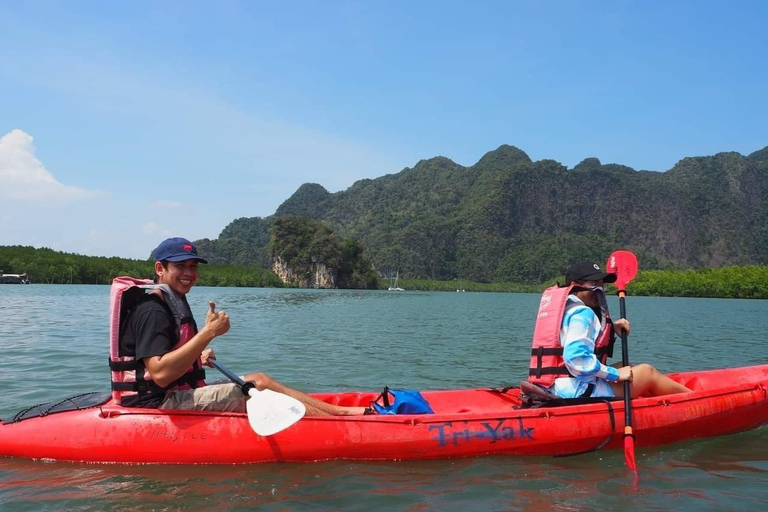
pixel 581 331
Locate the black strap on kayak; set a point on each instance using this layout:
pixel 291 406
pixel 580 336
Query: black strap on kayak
pixel 384 396
pixel 605 441
pixel 501 391
pixel 77 402
pixel 533 396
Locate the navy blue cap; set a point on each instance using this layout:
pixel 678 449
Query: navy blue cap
pixel 177 249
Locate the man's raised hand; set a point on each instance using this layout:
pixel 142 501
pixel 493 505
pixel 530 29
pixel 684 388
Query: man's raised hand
pixel 217 322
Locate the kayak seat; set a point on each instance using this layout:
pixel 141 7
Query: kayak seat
pixel 534 396
pixel 532 390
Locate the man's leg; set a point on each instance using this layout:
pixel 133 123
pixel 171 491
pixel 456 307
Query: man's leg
pixel 216 397
pixel 314 406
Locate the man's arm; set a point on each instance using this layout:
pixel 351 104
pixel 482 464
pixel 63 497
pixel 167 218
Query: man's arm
pixel 170 366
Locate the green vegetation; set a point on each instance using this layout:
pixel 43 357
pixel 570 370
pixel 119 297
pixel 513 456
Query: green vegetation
pixel 231 275
pixel 748 282
pixel 48 266
pixel 510 219
pixel 305 245
pixel 242 242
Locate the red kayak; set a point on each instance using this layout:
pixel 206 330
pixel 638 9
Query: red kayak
pixel 466 423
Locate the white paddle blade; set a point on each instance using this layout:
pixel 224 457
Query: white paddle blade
pixel 270 412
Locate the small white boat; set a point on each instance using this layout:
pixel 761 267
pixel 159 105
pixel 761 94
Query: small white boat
pixel 394 287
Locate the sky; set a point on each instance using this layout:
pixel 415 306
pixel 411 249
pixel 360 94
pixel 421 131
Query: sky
pixel 123 123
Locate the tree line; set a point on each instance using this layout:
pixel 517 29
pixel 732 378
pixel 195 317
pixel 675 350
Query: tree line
pixel 49 266
pixel 738 282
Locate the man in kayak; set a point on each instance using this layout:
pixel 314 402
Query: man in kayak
pixel 173 351
pixel 574 336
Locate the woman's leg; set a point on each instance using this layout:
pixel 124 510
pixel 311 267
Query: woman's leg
pixel 314 406
pixel 648 381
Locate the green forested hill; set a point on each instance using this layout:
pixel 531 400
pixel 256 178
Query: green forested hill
pixel 307 248
pixel 508 218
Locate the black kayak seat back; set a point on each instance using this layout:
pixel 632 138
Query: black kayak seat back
pixel 73 403
pixel 532 390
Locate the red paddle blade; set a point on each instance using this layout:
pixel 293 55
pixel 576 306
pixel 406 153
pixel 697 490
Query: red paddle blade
pixel 624 265
pixel 629 453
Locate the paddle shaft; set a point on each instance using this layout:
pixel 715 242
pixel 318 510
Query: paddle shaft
pixel 623 314
pixel 625 362
pixel 244 386
pixel 624 265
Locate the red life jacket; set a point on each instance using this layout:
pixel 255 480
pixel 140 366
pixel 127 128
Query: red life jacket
pixel 547 354
pixel 129 376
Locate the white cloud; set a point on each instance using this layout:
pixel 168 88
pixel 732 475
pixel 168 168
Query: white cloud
pixel 153 228
pixel 167 205
pixel 241 162
pixel 25 178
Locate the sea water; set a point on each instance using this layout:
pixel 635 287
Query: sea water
pixel 54 344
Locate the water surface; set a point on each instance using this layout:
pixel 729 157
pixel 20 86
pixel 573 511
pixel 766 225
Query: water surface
pixel 54 341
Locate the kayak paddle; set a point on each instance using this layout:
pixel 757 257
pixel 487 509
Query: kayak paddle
pixel 624 265
pixel 269 412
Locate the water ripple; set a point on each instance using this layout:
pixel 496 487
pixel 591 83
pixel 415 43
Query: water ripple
pixel 55 344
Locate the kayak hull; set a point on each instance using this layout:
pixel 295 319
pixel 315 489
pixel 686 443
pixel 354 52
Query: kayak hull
pixel 466 423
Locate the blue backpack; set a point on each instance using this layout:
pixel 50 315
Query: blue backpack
pixel 404 401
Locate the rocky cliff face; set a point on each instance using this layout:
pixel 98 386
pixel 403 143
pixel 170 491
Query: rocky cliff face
pixel 316 276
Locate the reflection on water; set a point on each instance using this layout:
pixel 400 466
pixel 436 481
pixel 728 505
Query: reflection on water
pixel 669 480
pixel 55 344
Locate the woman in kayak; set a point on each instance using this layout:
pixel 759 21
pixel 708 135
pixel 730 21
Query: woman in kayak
pixel 574 336
pixel 161 352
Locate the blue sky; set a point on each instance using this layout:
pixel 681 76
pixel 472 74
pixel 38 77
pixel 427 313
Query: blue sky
pixel 122 123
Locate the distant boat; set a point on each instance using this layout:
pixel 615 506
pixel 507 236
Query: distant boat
pixel 13 278
pixel 394 287
pixel 460 288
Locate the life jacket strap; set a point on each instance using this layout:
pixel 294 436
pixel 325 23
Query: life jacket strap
pixel 142 386
pixel 122 366
pixel 538 372
pixel 539 353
